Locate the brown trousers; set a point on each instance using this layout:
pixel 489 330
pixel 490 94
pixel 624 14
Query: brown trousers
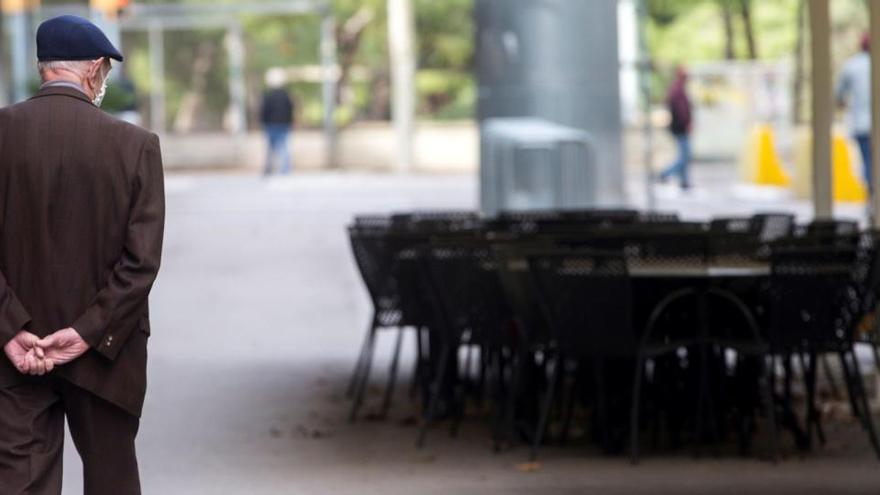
pixel 32 440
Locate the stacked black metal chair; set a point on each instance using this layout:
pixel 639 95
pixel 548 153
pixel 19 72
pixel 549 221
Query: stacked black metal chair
pixel 375 253
pixel 587 297
pixel 384 251
pixel 811 289
pixel 471 315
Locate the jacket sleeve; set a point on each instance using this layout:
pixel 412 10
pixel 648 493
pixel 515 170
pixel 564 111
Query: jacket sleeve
pixel 131 279
pixel 13 316
pixel 842 88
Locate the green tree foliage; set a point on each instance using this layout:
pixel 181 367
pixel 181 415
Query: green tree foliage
pixel 445 83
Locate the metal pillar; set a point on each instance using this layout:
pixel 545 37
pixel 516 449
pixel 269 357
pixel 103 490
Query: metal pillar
pixel 16 26
pixel 329 82
pixel 401 44
pixel 157 77
pixel 644 62
pixel 822 108
pixel 236 117
pixel 874 7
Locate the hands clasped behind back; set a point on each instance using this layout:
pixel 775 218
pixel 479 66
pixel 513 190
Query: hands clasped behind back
pixel 32 355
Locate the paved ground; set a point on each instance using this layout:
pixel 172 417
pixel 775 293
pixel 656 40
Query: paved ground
pixel 257 317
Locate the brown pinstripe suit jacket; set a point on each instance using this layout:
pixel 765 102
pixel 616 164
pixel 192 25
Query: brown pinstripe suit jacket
pixel 82 211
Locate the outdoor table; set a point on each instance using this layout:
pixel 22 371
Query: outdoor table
pixel 701 277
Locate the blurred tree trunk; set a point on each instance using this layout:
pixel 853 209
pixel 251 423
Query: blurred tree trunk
pixel 348 41
pixel 727 17
pixel 798 79
pixel 745 11
pixel 194 97
pixel 380 90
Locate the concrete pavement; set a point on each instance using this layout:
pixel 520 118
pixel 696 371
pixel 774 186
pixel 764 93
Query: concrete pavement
pixel 257 318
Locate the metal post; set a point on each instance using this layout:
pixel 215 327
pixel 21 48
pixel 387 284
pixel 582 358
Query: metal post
pixel 157 77
pixel 236 118
pixel 648 128
pixel 401 43
pixel 16 25
pixel 874 6
pixel 330 76
pixel 822 108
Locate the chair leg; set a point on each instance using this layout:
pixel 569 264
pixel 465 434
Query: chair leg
pixel 361 387
pixel 848 379
pixel 634 411
pixel 495 378
pixel 770 410
pixel 875 349
pixel 867 418
pixel 569 406
pixel 418 369
pixel 601 402
pixel 813 417
pixel 355 374
pixel 392 373
pixel 436 390
pixel 461 397
pixel 545 409
pixel 829 376
pixel 517 363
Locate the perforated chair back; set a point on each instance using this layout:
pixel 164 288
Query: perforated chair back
pixel 465 288
pixel 809 293
pixel 588 300
pixel 772 226
pixel 375 255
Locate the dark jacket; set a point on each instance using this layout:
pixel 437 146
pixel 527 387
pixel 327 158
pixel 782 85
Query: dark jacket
pixel 679 108
pixel 82 211
pixel 277 108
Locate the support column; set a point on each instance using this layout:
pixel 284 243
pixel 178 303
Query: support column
pixel 874 6
pixel 15 18
pixel 823 106
pixel 157 77
pixel 401 44
pixel 644 71
pixel 236 119
pixel 330 78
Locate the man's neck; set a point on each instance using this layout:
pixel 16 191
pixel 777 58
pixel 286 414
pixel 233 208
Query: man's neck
pixel 65 82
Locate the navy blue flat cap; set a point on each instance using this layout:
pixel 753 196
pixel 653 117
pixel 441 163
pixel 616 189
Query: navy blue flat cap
pixel 69 37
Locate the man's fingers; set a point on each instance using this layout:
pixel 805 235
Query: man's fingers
pixel 31 363
pixel 40 352
pixel 28 339
pixel 47 342
pixel 50 365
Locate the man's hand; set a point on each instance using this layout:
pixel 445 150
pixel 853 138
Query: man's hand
pixel 63 346
pixel 26 356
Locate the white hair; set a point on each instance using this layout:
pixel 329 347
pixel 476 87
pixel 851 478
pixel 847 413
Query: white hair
pixel 78 67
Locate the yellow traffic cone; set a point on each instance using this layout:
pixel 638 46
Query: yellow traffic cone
pixel 761 164
pixel 847 187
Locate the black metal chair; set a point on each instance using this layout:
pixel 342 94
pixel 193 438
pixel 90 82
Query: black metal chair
pixel 772 226
pixel 470 312
pixel 587 298
pixel 375 251
pixel 811 290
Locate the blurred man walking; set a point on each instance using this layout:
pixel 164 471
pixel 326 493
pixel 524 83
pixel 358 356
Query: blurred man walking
pixel 277 118
pixel 680 110
pixel 854 91
pixel 81 227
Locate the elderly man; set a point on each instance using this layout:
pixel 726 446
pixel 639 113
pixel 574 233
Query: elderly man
pixel 81 225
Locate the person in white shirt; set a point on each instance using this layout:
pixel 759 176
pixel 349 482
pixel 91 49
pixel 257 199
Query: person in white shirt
pixel 854 91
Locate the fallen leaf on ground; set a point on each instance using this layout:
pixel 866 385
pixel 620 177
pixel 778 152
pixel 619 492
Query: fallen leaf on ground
pixel 528 467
